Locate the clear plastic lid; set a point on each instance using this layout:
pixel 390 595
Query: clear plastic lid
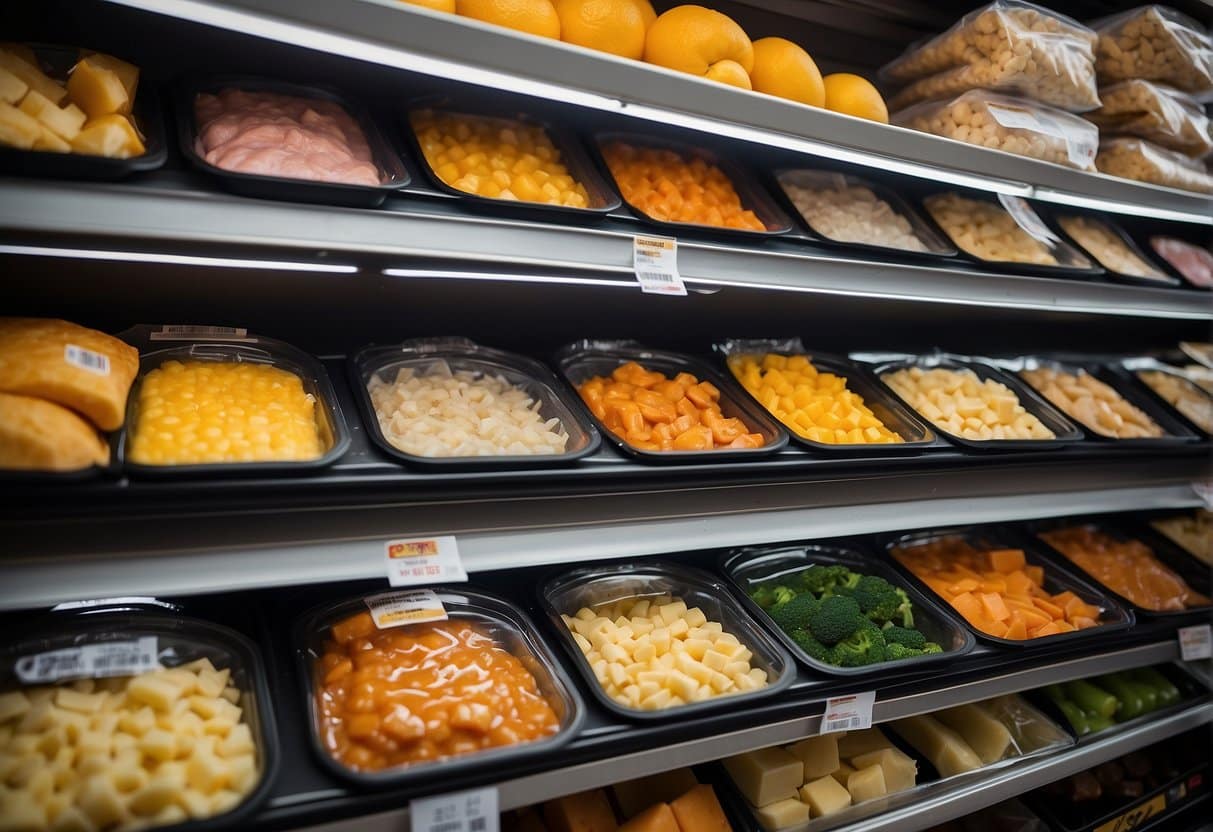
pixel 211 399
pixel 129 717
pixel 699 649
pixel 420 707
pixel 493 408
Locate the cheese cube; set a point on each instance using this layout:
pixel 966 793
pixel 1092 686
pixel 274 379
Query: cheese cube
pixel 158 744
pixel 35 78
pixel 842 773
pixel 854 743
pixel 672 612
pixel 988 737
pixel 945 748
pixel 50 141
pixel 699 809
pixel 160 791
pixel 825 796
pixel 128 74
pixel 85 703
pixel 97 90
pixel 13 704
pixel 866 784
pixel 818 754
pixel 239 741
pixel 766 775
pixel 12 88
pixel 900 771
pixel 633 796
pixel 715 660
pixel 17 129
pixel 152 690
pixel 783 814
pixel 99 800
pixel 65 122
pixel 656 818
pixel 207 773
pixel 582 812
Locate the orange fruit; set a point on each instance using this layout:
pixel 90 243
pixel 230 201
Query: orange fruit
pixel 614 26
pixel 783 69
pixel 436 5
pixel 535 17
pixel 694 40
pixel 855 96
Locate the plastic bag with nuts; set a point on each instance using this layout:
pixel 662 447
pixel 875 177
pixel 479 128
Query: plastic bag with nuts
pixel 1154 43
pixel 1010 124
pixel 1139 159
pixel 1155 112
pixel 1010 46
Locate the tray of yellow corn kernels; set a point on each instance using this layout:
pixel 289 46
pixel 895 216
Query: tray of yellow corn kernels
pixel 505 161
pixel 826 403
pixel 218 400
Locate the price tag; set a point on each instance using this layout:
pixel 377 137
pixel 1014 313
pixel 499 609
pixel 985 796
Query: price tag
pixel 1026 218
pixel 470 811
pixel 655 260
pixel 1204 490
pixel 87 360
pixel 187 332
pixel 393 609
pixel 848 713
pixel 1195 643
pixel 434 560
pixel 1136 816
pixel 90 661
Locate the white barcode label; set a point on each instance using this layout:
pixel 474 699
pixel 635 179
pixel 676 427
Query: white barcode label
pixel 848 713
pixel 1026 218
pixel 1014 119
pixel 87 360
pixel 188 332
pixel 470 811
pixel 655 261
pixel 395 609
pixel 90 661
pixel 434 560
pixel 1195 643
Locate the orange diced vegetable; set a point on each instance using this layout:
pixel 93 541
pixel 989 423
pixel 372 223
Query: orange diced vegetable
pixel 1049 629
pixel 1007 560
pixel 1017 630
pixel 1051 609
pixel 994 606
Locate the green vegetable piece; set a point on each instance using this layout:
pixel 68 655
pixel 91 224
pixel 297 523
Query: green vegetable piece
pixel 795 614
pixel 865 646
pixel 1099 723
pixel 1091 699
pixel 1131 703
pixel 835 619
pixel 811 646
pixel 1075 716
pixel 895 650
pixel 931 648
pixel 1168 694
pixel 908 638
pixel 821 580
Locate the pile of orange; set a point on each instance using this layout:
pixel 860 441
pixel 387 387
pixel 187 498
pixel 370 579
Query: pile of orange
pixel 692 39
pixel 671 188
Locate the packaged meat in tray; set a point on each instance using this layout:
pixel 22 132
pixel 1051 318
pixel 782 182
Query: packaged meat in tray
pixel 1155 43
pixel 277 140
pixel 1012 125
pixel 1157 113
pixel 1191 262
pixel 1139 159
pixel 1011 46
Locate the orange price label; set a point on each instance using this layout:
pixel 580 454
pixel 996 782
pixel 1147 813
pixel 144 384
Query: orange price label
pixel 433 560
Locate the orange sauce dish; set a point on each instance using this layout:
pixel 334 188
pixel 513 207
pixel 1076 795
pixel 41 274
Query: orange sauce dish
pixel 423 692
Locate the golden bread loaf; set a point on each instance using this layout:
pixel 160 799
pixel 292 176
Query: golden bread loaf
pixel 56 360
pixel 37 435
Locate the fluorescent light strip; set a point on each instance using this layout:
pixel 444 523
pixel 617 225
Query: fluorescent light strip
pixel 509 278
pixel 178 259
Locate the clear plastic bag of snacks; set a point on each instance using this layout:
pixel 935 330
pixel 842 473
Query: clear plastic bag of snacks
pixel 1010 46
pixel 1013 125
pixel 1157 44
pixel 1157 113
pixel 1139 159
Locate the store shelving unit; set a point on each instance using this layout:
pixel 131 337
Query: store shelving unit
pixel 171 245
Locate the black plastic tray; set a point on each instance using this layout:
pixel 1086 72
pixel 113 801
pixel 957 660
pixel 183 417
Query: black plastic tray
pixel 1056 579
pixel 1189 690
pixel 188 639
pixel 146 113
pixel 1130 369
pixel 1067 256
pixel 1194 573
pixel 753 196
pixel 392 173
pixel 1175 432
pixel 924 228
pixel 1054 219
pixel 1064 433
pixel 891 411
pixel 581 360
pixel 603 199
pixel 330 419
pixel 749 567
pixel 506 623
pixel 461 354
pixel 565 594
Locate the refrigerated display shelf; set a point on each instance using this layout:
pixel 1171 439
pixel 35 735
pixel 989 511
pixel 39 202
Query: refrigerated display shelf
pixel 165 212
pixel 445 46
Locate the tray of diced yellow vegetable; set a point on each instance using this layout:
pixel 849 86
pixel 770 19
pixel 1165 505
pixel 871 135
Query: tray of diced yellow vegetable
pixel 125 720
pixel 76 113
pixel 684 645
pixel 972 403
pixel 826 403
pixel 505 161
pixel 218 400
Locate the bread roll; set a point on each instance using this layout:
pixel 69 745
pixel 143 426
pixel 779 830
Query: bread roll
pixel 36 435
pixel 50 359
